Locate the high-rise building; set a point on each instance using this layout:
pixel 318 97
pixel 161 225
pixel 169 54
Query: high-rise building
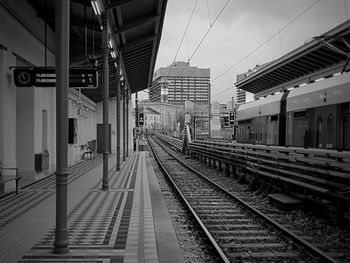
pixel 241 96
pixel 180 82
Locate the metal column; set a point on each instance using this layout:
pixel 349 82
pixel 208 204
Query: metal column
pixel 117 102
pixel 136 123
pixel 62 81
pixel 127 123
pixel 105 96
pixel 124 124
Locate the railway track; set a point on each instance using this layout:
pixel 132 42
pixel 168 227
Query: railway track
pixel 237 231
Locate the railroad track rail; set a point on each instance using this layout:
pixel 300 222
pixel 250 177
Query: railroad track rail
pixel 237 231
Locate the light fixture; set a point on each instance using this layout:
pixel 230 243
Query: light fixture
pixel 96 7
pixel 109 44
pixel 113 54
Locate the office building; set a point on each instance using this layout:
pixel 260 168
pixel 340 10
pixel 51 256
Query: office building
pixel 181 82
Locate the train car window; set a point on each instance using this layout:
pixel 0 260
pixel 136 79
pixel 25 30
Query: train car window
pixel 299 114
pixel 330 131
pixel 274 117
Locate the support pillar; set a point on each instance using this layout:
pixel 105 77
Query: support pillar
pixel 124 124
pixel 135 140
pixel 62 81
pixel 127 123
pixel 105 96
pixel 117 101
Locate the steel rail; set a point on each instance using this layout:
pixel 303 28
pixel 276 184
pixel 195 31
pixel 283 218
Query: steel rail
pixel 313 250
pixel 217 248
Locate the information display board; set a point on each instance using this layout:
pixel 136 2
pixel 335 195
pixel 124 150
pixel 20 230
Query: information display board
pixel 46 77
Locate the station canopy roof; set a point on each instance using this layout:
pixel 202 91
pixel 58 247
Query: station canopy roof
pixel 322 56
pixel 136 27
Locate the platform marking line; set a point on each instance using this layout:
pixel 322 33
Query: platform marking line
pixel 150 247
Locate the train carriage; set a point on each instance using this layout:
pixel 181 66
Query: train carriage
pixel 258 121
pixel 316 115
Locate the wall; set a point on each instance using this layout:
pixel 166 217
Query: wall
pixel 7 112
pixel 22 127
pixel 112 121
pixel 86 124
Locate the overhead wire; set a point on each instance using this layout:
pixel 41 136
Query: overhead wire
pixel 183 37
pixel 262 44
pixel 184 34
pixel 208 12
pixel 205 35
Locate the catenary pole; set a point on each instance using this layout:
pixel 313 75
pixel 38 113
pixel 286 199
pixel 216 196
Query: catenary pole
pixel 105 96
pixel 117 100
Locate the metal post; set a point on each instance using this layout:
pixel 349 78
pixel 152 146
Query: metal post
pixel 117 101
pixel 62 77
pixel 105 95
pixel 127 123
pixel 209 100
pixel 136 122
pixel 124 124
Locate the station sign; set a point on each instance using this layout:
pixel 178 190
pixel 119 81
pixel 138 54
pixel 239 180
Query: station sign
pixel 46 77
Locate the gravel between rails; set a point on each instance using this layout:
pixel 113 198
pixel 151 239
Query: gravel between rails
pixel 192 243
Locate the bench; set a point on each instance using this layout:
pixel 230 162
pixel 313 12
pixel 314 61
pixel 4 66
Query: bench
pixel 89 149
pixel 4 179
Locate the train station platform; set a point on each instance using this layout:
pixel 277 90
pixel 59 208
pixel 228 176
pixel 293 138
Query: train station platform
pixel 127 223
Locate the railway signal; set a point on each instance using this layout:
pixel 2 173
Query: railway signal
pixel 232 118
pixel 141 119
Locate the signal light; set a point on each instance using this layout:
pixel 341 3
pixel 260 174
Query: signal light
pixel 141 119
pixel 232 116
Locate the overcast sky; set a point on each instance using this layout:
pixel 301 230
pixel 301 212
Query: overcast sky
pixel 242 27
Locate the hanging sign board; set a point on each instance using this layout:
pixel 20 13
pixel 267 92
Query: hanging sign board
pixel 46 77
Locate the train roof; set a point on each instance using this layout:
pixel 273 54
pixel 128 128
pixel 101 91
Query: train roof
pixel 328 91
pixel 322 56
pixel 262 107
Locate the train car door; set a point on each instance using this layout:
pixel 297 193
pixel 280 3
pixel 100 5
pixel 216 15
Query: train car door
pixel 299 128
pixel 346 131
pixel 319 131
pixel 272 131
pixel 325 126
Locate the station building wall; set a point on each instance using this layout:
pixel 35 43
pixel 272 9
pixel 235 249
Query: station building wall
pixel 28 115
pixel 112 120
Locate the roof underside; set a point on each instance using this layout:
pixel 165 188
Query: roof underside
pixel 321 57
pixel 136 31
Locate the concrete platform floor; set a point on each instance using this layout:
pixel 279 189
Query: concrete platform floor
pixel 127 223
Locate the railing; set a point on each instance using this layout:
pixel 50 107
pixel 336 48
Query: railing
pixel 7 178
pixel 316 173
pixel 322 171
